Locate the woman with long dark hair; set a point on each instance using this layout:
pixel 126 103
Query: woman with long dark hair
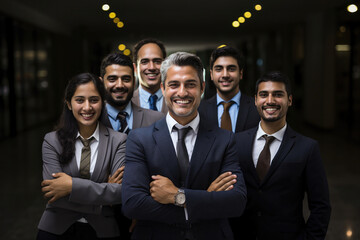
pixel 78 159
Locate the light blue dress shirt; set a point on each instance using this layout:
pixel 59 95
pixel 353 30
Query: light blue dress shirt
pixel 233 111
pixel 113 112
pixel 144 98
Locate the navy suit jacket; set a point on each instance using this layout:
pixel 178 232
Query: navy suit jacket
pixel 150 151
pixel 275 206
pixel 248 116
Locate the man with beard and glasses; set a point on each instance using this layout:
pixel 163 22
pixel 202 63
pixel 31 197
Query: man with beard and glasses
pixel 117 74
pixel 148 56
pixel 230 108
pixel 280 166
pixel 172 183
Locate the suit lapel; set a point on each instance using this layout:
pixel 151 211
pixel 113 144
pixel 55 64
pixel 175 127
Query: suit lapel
pixel 285 147
pixel 204 142
pixel 249 145
pixel 242 114
pixel 102 152
pixel 163 142
pixel 138 115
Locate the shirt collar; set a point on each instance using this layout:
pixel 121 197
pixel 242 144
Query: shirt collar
pixel 95 134
pixel 113 112
pixel 236 99
pixel 279 135
pixel 145 95
pixel 194 124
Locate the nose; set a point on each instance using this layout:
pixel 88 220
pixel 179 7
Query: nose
pixel 182 91
pixel 151 65
pixel 87 105
pixel 119 83
pixel 270 99
pixel 225 73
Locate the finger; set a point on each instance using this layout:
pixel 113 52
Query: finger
pixel 229 188
pixel 227 184
pixel 45 183
pixel 227 179
pixel 222 176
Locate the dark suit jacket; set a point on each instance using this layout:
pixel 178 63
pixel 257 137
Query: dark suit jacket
pixel 150 151
pixel 141 117
pixel 248 116
pixel 275 206
pixel 90 198
pixel 136 99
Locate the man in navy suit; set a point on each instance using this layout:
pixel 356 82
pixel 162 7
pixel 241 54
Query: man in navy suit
pixel 226 71
pixel 278 176
pixel 168 182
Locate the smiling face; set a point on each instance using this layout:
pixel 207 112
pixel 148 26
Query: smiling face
pixel 86 107
pixel 226 76
pixel 182 92
pixel 119 84
pixel 272 102
pixel 148 66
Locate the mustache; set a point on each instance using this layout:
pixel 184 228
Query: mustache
pixel 271 105
pixel 121 90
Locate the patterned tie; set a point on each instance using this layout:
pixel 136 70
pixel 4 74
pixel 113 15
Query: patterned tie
pixel 263 163
pixel 85 158
pixel 182 154
pixel 152 102
pixel 124 126
pixel 225 118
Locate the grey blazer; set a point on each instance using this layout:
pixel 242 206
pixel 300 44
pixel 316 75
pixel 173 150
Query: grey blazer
pixel 90 198
pixel 141 117
pixel 136 99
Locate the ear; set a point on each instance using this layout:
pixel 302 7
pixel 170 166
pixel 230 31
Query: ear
pixel 211 75
pixel 241 74
pixel 101 79
pixel 68 105
pixel 135 69
pixel 290 101
pixel 162 88
pixel 202 87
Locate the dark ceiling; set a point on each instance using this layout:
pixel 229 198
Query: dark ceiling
pixel 181 22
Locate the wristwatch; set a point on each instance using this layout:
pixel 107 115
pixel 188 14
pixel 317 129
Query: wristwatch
pixel 180 198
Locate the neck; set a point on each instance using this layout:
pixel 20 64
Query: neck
pixel 87 131
pixel 229 95
pixel 151 89
pixel 272 127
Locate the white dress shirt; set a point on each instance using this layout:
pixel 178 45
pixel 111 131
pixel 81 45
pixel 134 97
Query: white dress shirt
pixel 190 137
pixel 94 146
pixel 259 143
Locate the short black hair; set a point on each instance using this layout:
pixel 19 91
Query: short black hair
pixel 224 52
pixel 116 58
pixel 141 43
pixel 274 76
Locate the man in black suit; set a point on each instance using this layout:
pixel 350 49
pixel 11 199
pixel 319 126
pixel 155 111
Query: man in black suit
pixel 226 71
pixel 280 166
pixel 168 174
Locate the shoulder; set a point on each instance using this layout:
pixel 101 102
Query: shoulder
pixel 247 134
pixel 148 113
pixel 113 135
pixel 51 137
pixel 303 141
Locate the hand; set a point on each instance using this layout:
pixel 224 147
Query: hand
pixel 58 187
pixel 132 226
pixel 224 182
pixel 117 177
pixel 163 190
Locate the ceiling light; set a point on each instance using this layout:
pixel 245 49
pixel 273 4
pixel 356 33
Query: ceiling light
pixel 120 24
pixel 235 24
pixel 352 8
pixel 105 7
pixel 112 15
pixel 258 7
pixel 127 52
pixel 241 19
pixel 247 14
pixel 122 47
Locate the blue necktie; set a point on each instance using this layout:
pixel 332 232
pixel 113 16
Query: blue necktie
pixel 152 102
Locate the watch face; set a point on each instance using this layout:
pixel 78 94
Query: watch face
pixel 180 198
